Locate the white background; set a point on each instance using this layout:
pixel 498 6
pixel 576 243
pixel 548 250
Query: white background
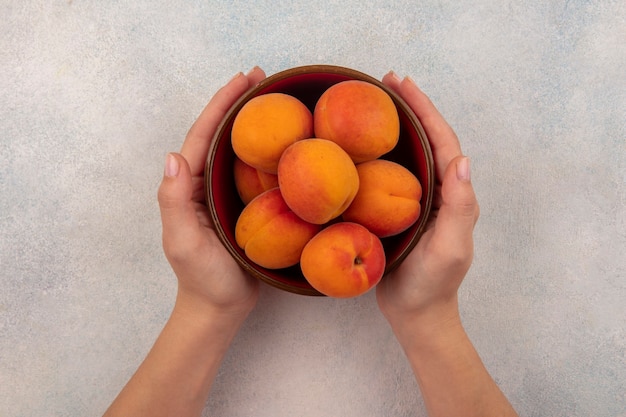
pixel 94 94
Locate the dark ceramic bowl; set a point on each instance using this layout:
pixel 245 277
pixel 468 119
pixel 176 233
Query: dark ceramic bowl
pixel 307 83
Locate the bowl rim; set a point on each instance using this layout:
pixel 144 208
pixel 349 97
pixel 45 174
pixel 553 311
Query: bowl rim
pixel 254 91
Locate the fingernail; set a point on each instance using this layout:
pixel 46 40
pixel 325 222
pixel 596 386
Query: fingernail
pixel 410 80
pixel 171 166
pixel 394 76
pixel 239 74
pixel 463 169
pixel 252 70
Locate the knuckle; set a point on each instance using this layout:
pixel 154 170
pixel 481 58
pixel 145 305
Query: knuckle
pixel 179 252
pixel 162 196
pixel 166 200
pixel 468 207
pixel 476 212
pixel 461 258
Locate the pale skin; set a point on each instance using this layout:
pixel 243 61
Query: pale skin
pixel 215 296
pixel 420 298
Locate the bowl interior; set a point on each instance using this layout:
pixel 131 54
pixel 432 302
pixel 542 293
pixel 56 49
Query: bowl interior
pixel 307 84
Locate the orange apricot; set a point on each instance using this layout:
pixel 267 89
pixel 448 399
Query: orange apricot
pixel 359 116
pixel 343 260
pixel 272 235
pixel 317 179
pixel 266 125
pixel 388 200
pixel 250 182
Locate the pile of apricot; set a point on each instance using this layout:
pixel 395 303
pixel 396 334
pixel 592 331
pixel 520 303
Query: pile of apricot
pixel 315 188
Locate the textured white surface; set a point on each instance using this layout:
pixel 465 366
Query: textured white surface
pixel 95 93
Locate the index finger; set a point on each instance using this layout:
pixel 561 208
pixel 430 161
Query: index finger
pixel 444 142
pixel 196 145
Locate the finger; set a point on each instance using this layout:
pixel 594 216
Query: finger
pixel 458 213
pixel 255 76
pixel 444 142
pixel 392 81
pixel 437 200
pixel 178 216
pixel 196 145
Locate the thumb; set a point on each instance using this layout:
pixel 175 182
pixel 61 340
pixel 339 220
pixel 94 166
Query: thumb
pixel 459 210
pixel 178 215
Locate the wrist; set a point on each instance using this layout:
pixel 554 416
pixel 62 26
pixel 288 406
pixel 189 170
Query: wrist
pixel 426 326
pixel 191 307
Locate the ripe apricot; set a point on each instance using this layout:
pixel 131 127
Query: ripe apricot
pixel 250 182
pixel 271 235
pixel 317 179
pixel 343 260
pixel 266 125
pixel 359 116
pixel 388 200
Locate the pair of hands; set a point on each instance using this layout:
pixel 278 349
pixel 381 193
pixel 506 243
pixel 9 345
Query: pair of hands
pixel 424 285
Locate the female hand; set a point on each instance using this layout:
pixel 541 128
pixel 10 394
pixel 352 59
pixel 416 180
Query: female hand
pixel 214 294
pixel 428 279
pixel 207 275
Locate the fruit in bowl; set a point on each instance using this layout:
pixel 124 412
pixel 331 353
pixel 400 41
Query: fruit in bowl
pixel 266 125
pixel 319 186
pixel 270 233
pixel 388 199
pixel 360 117
pixel 343 260
pixel 318 179
pixel 250 181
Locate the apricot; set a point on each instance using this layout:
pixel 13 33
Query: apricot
pixel 250 182
pixel 343 260
pixel 317 179
pixel 388 200
pixel 359 116
pixel 266 125
pixel 270 234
